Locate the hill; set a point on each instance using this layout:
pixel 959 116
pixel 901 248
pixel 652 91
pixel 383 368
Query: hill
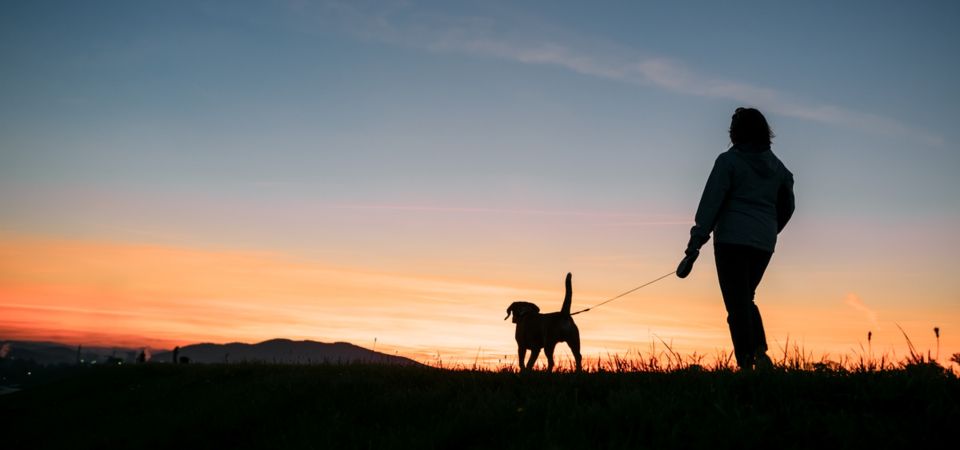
pixel 272 351
pixel 284 351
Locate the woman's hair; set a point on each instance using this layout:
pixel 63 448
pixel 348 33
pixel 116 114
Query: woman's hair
pixel 748 126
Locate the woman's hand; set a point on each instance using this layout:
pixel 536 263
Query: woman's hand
pixel 687 264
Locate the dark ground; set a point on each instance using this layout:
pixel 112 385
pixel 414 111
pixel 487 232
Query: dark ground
pixel 378 407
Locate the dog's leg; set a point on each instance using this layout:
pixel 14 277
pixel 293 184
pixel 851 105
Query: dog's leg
pixel 548 350
pixel 574 344
pixel 522 352
pixel 534 354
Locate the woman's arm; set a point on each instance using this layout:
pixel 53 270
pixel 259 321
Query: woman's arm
pixel 711 202
pixel 785 202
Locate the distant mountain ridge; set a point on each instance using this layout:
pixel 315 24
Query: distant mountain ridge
pixel 283 351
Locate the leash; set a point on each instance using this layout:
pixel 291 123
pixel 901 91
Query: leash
pixel 623 294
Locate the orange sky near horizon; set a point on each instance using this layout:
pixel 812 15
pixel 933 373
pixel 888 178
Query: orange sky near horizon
pixel 100 292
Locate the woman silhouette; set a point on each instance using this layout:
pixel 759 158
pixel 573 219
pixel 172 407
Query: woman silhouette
pixel 747 201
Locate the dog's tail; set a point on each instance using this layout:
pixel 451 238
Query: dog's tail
pixel 568 297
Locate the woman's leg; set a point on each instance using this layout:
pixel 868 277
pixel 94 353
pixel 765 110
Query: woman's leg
pixel 759 260
pixel 739 270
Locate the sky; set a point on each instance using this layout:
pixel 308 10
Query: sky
pixel 396 173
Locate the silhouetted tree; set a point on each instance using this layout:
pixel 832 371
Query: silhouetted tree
pixel 176 353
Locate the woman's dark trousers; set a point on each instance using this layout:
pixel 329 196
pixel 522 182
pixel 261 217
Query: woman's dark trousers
pixel 739 269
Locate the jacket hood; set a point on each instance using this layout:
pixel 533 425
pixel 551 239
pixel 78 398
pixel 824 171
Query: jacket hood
pixel 760 159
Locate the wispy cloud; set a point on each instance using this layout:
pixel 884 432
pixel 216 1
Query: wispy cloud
pixel 854 301
pixel 629 219
pixel 528 41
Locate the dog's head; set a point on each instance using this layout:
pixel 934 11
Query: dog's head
pixel 521 309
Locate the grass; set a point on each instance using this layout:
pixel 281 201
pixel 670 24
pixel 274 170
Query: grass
pixel 685 405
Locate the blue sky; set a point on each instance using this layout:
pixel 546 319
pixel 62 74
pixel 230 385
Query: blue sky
pixel 562 105
pixel 366 133
pixel 470 73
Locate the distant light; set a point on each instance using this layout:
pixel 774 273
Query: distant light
pixel 29 373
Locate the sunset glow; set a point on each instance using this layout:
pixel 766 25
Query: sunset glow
pixel 147 295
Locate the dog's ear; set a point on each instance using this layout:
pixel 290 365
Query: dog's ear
pixel 517 308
